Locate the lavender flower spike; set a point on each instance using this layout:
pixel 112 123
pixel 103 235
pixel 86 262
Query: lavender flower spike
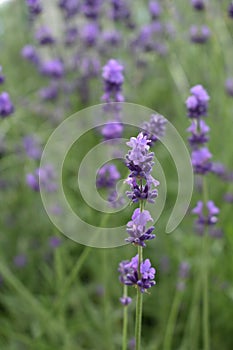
pixel 6 106
pixel 137 228
pixel 197 103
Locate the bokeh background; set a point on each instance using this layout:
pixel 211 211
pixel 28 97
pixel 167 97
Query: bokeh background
pixel 56 293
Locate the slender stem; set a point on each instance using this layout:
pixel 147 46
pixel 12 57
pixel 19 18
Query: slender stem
pixel 205 252
pixel 125 321
pixel 138 324
pixel 172 320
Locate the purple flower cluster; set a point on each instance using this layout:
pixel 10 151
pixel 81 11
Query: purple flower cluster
pixel 198 5
pixel 199 35
pixel 206 215
pixel 154 9
pixel 6 106
pixel 183 275
pixel 34 6
pixel 230 10
pixel 155 128
pixel 139 160
pixel 32 147
pixel 136 228
pixel 131 274
pixel 44 177
pixel 107 176
pixel 113 80
pixel 197 107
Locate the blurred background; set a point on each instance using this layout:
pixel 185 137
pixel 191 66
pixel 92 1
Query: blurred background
pixel 54 292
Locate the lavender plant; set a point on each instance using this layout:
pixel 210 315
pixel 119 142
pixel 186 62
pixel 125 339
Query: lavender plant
pixel 206 210
pixel 138 272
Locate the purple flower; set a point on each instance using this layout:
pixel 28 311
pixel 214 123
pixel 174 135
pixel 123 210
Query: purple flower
pixel 90 33
pixel 91 8
pixel 32 147
pixel 53 68
pixel 209 218
pixel 6 106
pixel 199 35
pixel 69 7
pixel 29 53
pixel 155 9
pixel 197 103
pixel 218 169
pixel 44 177
pixel 155 128
pixel 230 10
pixel 200 160
pixel 20 260
pixel 54 242
pixel 229 86
pixel 199 133
pixel 2 78
pixel 198 4
pixel 125 301
pixel 111 37
pixel 49 92
pixel 112 130
pixel 137 230
pixel 141 192
pixel 107 176
pixel 113 80
pixel 184 269
pixel 120 11
pixel 71 35
pixel 34 6
pixel 129 273
pixel 44 36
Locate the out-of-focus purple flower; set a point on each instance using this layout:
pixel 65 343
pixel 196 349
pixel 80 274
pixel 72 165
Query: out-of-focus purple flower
pixel 197 103
pixel 129 273
pixel 107 176
pixel 30 54
pixel 49 92
pixel 112 130
pixel 53 68
pixel 199 133
pixel 90 33
pixel 216 232
pixel 54 242
pixel 20 260
pixel 92 8
pixel 113 80
pixel 6 106
pixel 111 37
pixel 32 147
pixel 44 177
pixel 120 11
pixel 198 4
pixel 230 10
pixel 125 301
pixel 137 230
pixel 44 36
pixel 199 35
pixel 90 66
pixel 155 128
pixel 200 160
pixel 228 197
pixel 34 6
pixel 218 169
pixel 71 35
pixel 184 269
pixel 229 86
pixel 209 218
pixel 2 78
pixel 69 7
pixel 155 9
pixel 132 344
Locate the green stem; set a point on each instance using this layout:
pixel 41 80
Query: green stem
pixel 138 324
pixel 172 320
pixel 125 321
pixel 205 252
